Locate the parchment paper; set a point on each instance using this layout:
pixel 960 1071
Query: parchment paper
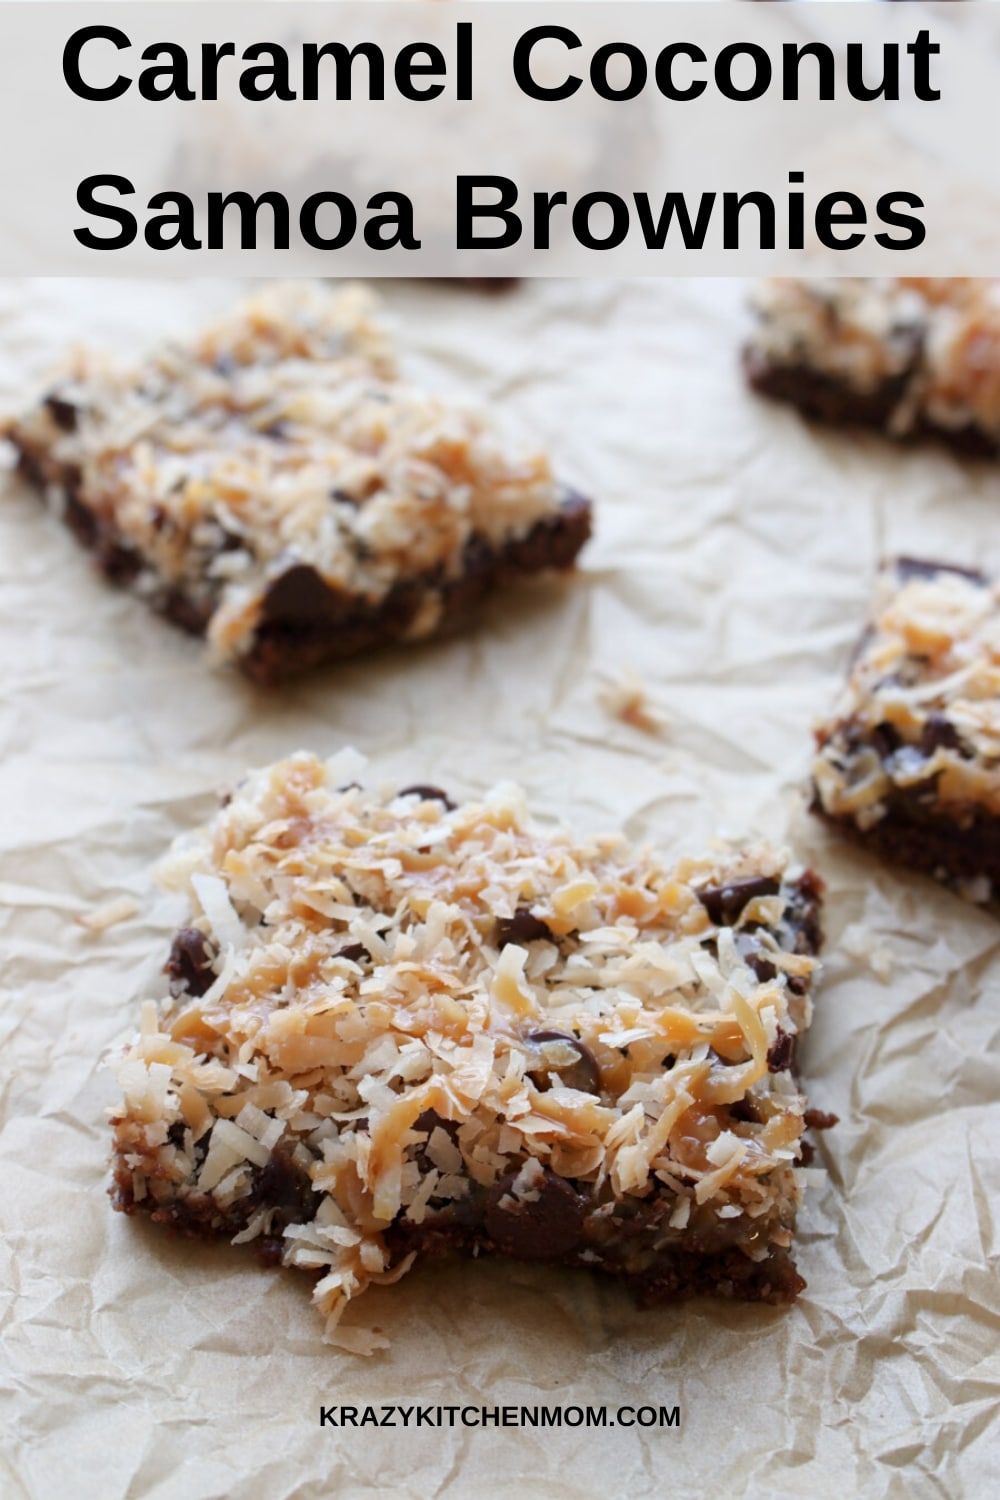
pixel 730 570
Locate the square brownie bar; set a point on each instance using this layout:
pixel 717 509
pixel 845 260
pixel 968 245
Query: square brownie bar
pixel 399 1026
pixel 913 357
pixel 273 485
pixel 909 760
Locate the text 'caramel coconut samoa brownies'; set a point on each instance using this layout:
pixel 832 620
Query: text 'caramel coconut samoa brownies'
pixel 912 357
pixel 273 485
pixel 909 759
pixel 399 1026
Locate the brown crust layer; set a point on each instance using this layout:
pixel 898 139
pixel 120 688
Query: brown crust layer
pixel 838 404
pixel 631 1239
pixel 946 845
pixel 306 623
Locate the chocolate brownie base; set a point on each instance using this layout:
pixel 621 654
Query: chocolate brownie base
pixel 837 404
pixel 957 848
pixel 305 623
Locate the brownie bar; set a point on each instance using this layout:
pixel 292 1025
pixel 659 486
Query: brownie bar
pixel 909 761
pixel 273 486
pixel 398 1026
pixel 913 358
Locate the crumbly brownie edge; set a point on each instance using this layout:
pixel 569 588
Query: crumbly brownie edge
pixel 290 638
pixel 304 622
pixel 956 843
pixel 838 404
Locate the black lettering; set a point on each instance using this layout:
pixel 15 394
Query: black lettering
pixel 889 86
pixel 885 208
pixel 248 207
pixel 404 1412
pixel 626 1416
pixel 343 61
pixel 407 68
pixel 674 205
pixel 346 226
pixel 71 64
pixel 387 1418
pixel 181 223
pixel 398 225
pixel 597 1416
pixel 599 71
pixel 470 1421
pixel 463 65
pixel 326 1416
pixel 724 71
pixel 348 1416
pixel 522 62
pixel 425 1416
pixel 551 1416
pixel 732 206
pixel 174 73
pixel 791 57
pixel 543 204
pixel 647 1416
pixel 85 199
pixel 619 221
pixel 270 80
pixel 921 51
pixel 573 1416
pixel 212 54
pixel 509 1414
pixel 665 71
pixel 826 217
pixel 467 210
pixel 369 1417
pixel 796 215
pixel 529 1416
pixel 670 1416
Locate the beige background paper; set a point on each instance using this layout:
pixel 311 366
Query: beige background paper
pixel 729 572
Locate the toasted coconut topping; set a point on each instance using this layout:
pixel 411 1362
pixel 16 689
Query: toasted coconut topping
pixel 921 707
pixel 940 339
pixel 375 1048
pixel 279 439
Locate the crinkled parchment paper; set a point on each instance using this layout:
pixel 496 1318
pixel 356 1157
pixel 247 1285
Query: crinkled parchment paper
pixel 729 574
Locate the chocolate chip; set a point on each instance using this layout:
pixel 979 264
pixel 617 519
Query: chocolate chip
pixel 190 963
pixel 546 1227
pixel 286 1187
pixel 428 794
pixel 355 953
pixel 63 413
pixel 818 1119
pixel 343 497
pixel 523 927
pixel 175 1135
pixel 885 740
pixel 939 733
pixel 745 1110
pixel 725 903
pixel 584 1074
pixel 748 946
pixel 300 596
pixel 781 1052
